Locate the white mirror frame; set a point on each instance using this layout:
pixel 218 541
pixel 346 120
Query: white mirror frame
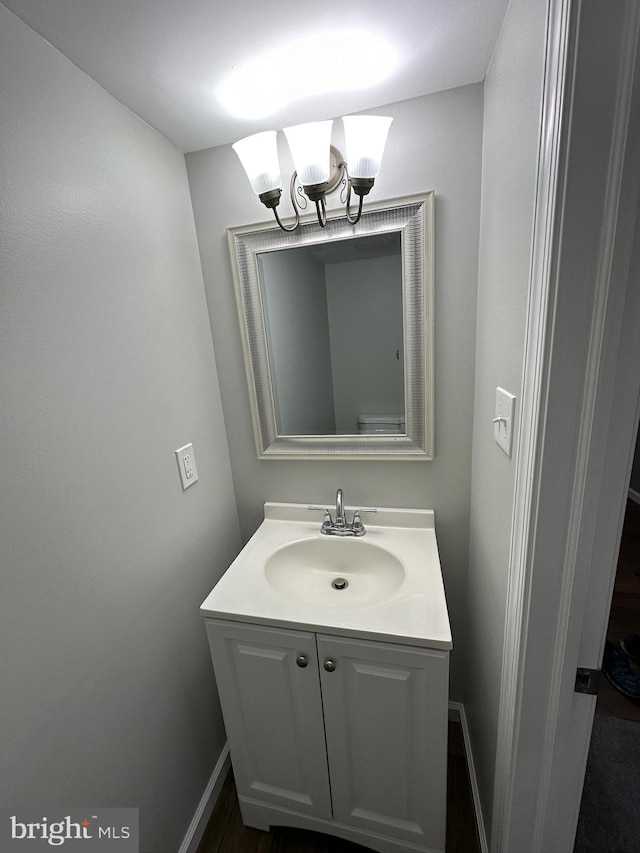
pixel 413 218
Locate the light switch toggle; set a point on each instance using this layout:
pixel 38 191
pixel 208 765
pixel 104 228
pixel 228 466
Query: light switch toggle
pixel 503 420
pixel 187 466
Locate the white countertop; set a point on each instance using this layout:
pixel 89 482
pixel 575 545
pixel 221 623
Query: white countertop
pixel 415 614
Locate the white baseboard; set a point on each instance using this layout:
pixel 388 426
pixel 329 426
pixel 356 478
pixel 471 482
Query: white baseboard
pixel 456 713
pixel 635 496
pixel 207 802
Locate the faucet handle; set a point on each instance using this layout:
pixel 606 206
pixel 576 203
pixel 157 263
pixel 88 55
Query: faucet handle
pixel 356 524
pixel 327 521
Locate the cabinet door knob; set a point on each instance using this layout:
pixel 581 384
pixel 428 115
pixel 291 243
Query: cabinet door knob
pixel 302 661
pixel 329 665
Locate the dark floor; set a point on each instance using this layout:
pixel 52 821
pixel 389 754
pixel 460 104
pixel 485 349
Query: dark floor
pixel 625 613
pixel 226 834
pixel 609 820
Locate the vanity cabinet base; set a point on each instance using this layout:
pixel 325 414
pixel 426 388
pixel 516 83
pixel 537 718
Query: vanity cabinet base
pixel 336 734
pixel 257 815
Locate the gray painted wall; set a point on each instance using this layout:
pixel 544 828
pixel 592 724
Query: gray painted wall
pixel 106 366
pixel 512 106
pixel 295 308
pixel 365 318
pixel 435 143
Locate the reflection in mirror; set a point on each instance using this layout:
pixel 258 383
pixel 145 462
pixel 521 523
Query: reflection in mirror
pixel 337 333
pixel 333 321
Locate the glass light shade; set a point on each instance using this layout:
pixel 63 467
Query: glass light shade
pixel 310 144
pixel 365 138
pixel 259 156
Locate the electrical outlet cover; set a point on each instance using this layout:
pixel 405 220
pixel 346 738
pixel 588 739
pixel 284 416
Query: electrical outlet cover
pixel 187 466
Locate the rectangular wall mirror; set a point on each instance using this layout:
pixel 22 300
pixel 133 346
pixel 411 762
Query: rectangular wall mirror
pixel 337 332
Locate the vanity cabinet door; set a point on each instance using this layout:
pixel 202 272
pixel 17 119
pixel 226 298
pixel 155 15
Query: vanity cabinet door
pixel 386 711
pixel 269 689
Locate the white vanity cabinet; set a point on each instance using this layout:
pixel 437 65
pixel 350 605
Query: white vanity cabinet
pixel 334 733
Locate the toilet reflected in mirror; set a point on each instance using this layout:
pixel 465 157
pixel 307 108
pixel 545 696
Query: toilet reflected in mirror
pixel 381 424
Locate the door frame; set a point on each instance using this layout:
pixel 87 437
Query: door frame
pixel 573 459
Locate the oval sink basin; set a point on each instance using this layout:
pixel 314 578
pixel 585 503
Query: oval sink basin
pixel 334 572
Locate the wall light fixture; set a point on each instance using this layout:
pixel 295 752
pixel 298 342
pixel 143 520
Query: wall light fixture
pixel 319 167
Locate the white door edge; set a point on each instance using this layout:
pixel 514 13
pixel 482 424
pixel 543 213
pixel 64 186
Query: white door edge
pixel 558 45
pixel 540 763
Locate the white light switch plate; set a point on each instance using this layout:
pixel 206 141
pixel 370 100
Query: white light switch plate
pixel 187 466
pixel 503 419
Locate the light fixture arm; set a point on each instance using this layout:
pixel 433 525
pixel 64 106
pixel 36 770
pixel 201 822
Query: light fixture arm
pixel 317 193
pixel 314 192
pixel 321 211
pixel 292 190
pixel 360 186
pixel 353 218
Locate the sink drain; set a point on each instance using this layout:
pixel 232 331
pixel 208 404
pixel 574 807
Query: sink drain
pixel 339 583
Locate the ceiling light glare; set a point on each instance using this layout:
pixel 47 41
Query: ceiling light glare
pixel 257 89
pixel 314 65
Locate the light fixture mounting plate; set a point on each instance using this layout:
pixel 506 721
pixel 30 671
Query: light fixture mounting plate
pixel 336 169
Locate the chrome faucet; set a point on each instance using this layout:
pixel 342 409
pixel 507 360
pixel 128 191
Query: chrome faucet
pixel 341 521
pixel 341 527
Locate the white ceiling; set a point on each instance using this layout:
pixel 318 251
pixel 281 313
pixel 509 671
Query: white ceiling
pixel 164 59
